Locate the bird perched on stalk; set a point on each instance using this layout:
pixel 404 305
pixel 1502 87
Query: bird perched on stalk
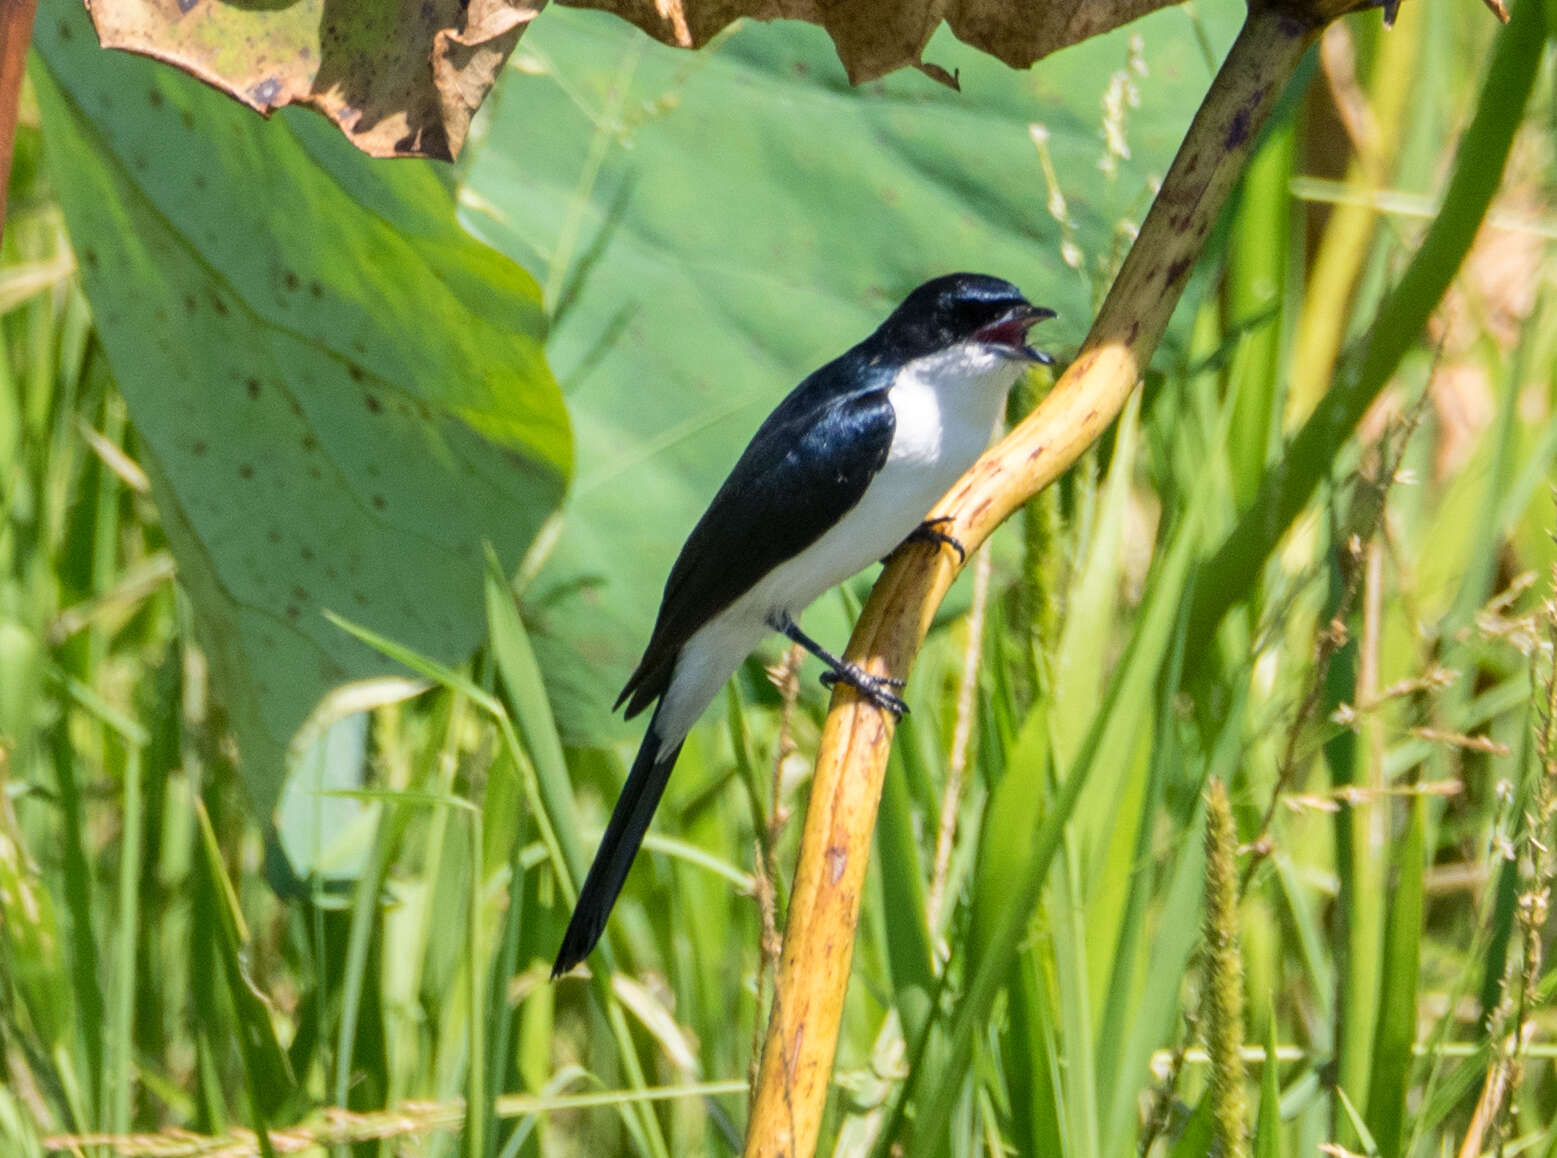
pixel 841 473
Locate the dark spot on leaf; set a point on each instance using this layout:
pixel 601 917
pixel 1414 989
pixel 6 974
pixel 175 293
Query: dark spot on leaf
pixel 188 120
pixel 64 30
pixel 359 598
pixel 218 305
pixel 316 289
pixel 310 444
pixel 292 611
pixel 378 503
pixel 372 470
pixel 295 407
pixel 300 594
pixel 253 387
pixel 355 372
pixel 90 257
pixel 140 162
pixel 154 98
pixel 245 471
pixel 331 573
pixel 290 280
pixel 306 553
pixel 373 404
pixel 190 304
pixel 273 535
pixel 199 181
pixel 199 447
pixel 359 345
pixel 315 473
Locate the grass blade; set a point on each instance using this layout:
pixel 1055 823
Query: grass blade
pixel 267 1072
pixel 1396 1027
pixel 526 688
pixel 90 1006
pixel 120 1079
pixel 1267 1128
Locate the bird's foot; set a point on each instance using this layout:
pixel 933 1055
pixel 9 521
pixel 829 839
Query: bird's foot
pixel 874 688
pixel 930 531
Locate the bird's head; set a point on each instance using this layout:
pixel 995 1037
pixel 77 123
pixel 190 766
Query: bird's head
pixel 964 309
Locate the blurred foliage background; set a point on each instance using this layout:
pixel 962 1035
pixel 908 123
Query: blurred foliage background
pixel 274 419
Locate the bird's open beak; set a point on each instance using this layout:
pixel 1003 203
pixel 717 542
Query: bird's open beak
pixel 1010 332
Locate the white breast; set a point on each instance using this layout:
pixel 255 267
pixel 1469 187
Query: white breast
pixel 945 410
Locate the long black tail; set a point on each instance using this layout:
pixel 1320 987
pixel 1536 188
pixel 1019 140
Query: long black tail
pixel 629 821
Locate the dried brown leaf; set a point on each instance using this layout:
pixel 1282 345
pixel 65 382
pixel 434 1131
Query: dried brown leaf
pixel 875 37
pixel 404 80
pixel 401 80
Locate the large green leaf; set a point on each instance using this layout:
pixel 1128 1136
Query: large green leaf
pixel 714 226
pixel 339 395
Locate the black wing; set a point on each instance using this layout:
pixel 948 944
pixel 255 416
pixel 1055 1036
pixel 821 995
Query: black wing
pixel 806 466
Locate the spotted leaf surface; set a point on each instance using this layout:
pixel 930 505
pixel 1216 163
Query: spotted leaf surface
pixel 337 393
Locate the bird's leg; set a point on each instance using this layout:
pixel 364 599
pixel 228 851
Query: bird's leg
pixel 873 687
pixel 929 532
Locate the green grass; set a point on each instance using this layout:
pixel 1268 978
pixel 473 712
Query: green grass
pixel 1348 630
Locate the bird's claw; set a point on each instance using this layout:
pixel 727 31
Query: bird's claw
pixel 873 687
pixel 929 532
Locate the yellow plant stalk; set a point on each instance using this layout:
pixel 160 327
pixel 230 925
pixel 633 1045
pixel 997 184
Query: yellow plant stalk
pixel 1327 305
pixel 797 1055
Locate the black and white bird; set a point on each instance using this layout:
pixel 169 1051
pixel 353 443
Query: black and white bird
pixel 841 473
